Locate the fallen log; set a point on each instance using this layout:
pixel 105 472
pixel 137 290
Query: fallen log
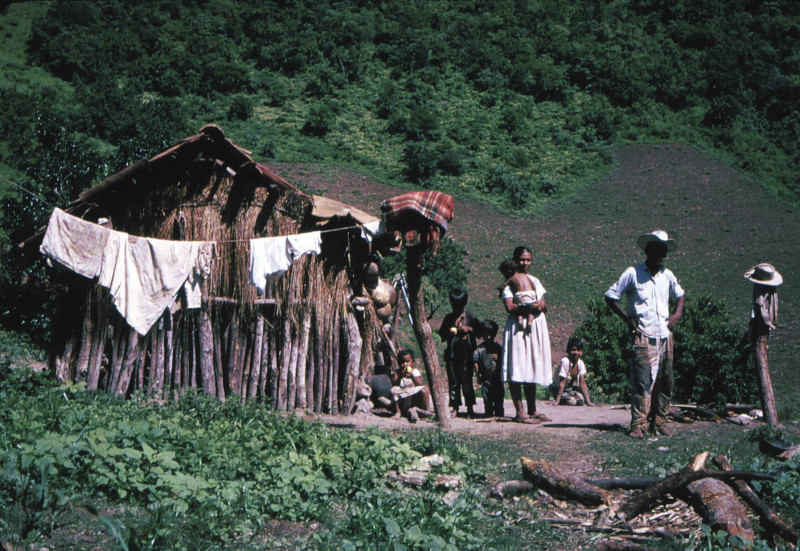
pixel 511 488
pixel 624 483
pixel 717 503
pixel 545 476
pixel 769 518
pixel 648 497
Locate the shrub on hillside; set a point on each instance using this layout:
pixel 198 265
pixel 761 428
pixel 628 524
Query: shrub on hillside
pixel 711 355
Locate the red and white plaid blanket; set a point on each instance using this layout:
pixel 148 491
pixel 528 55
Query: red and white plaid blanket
pixel 433 205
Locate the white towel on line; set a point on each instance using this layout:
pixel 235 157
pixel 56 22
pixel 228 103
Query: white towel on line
pixel 268 255
pixel 75 243
pixel 304 243
pixel 145 275
pixel 274 255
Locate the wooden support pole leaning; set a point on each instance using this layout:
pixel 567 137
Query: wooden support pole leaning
pixel 760 344
pixel 422 330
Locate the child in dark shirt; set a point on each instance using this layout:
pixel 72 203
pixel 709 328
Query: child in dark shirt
pixel 486 360
pixel 458 330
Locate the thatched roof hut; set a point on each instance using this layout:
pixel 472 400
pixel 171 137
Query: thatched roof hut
pixel 299 342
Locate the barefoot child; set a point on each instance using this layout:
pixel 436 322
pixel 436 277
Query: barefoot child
pixel 409 393
pixel 572 374
pixel 521 286
pixel 486 360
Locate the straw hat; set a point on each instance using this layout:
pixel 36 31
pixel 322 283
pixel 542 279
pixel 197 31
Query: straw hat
pixel 764 274
pixel 659 236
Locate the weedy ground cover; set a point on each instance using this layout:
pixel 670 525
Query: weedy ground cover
pixel 83 470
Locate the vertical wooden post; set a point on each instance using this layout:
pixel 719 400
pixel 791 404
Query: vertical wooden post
pixel 354 343
pixel 321 373
pixel 168 346
pixel 255 371
pixel 265 360
pixel 207 353
pixel 759 342
pixel 302 361
pixel 157 361
pixel 218 366
pixel 422 330
pixel 128 363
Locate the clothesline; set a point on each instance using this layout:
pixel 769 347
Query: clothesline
pixel 145 275
pixel 356 227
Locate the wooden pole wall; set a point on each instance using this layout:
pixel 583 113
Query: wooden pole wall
pixel 302 351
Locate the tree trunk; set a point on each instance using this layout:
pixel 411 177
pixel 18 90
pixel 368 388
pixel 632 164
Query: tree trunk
pixel 716 502
pixel 422 330
pixel 545 476
pixel 768 517
pixel 760 345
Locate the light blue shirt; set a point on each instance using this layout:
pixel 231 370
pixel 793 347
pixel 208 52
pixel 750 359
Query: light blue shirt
pixel 647 298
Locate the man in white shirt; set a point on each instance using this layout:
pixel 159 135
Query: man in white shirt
pixel 648 289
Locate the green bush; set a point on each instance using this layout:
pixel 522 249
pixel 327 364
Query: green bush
pixel 711 355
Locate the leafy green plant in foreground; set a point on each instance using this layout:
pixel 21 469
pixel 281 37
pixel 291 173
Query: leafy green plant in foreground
pixel 204 471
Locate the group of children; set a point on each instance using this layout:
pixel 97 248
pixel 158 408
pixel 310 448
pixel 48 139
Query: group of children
pixel 465 358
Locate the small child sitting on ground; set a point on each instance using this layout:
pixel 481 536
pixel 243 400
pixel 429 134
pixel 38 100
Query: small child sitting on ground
pixel 522 288
pixel 572 374
pixel 486 359
pixel 410 395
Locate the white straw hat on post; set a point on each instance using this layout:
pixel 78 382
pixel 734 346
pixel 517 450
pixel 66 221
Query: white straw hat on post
pixel 764 274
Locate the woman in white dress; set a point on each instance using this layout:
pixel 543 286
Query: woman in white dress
pixel 526 354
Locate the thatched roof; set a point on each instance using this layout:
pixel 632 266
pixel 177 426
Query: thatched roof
pixel 207 188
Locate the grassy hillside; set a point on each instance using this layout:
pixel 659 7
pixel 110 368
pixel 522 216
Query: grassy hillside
pixel 519 106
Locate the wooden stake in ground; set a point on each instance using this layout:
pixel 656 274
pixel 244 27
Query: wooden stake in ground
pixel 422 330
pixel 763 317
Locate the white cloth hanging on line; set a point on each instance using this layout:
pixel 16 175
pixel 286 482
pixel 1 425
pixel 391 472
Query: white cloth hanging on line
pixel 75 243
pixel 143 275
pixel 274 255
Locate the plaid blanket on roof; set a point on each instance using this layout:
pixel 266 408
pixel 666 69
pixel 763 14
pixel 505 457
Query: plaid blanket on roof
pixel 433 205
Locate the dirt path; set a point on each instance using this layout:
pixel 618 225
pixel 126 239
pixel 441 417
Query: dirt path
pixel 565 420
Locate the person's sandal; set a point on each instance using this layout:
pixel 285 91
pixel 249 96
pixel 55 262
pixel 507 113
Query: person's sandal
pixel 526 420
pixel 542 417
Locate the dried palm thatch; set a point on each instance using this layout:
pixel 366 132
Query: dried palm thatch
pixel 299 344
